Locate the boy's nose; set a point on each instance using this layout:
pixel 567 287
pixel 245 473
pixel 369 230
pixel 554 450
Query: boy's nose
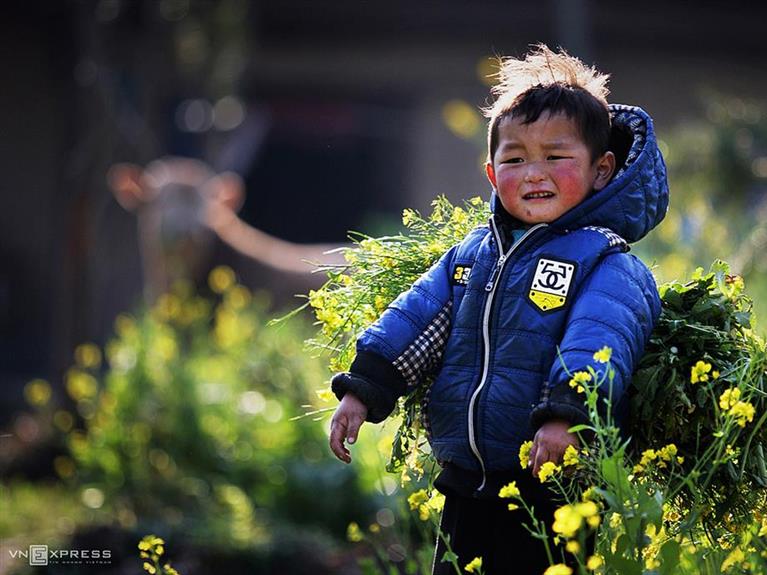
pixel 534 173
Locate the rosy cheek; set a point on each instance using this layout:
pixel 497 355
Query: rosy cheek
pixel 507 179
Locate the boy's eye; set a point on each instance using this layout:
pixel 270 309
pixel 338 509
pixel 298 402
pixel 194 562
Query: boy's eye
pixel 555 157
pixel 513 161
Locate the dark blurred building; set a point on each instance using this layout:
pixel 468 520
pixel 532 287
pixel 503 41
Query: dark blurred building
pixel 340 120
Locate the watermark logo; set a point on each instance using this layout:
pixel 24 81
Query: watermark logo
pixel 38 555
pixel 43 555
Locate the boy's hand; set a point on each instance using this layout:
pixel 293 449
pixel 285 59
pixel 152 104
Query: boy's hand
pixel 345 425
pixel 550 443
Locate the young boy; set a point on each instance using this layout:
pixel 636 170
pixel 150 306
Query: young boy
pixel 575 180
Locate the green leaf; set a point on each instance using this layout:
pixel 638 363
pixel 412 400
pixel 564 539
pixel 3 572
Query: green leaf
pixel 669 556
pixel 449 557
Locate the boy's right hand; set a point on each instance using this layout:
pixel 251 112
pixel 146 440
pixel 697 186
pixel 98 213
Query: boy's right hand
pixel 345 425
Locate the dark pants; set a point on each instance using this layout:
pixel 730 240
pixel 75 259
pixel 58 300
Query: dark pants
pixel 486 528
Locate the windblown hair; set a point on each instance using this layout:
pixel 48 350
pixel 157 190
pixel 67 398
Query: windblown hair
pixel 553 82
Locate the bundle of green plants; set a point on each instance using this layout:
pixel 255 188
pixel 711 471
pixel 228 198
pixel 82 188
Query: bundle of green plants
pixel 700 385
pixel 377 271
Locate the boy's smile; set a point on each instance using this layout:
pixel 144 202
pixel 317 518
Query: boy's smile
pixel 543 169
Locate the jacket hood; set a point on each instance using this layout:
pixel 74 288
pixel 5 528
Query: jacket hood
pixel 636 199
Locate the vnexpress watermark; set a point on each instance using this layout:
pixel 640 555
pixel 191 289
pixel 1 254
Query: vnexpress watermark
pixel 43 555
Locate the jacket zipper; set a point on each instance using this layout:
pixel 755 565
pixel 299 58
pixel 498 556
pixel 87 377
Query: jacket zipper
pixel 490 288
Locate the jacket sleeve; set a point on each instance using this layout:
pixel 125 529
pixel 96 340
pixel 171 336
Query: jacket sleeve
pixel 617 307
pixel 403 345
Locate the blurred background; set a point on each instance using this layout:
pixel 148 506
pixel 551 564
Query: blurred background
pixel 124 411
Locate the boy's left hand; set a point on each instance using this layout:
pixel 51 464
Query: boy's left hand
pixel 550 443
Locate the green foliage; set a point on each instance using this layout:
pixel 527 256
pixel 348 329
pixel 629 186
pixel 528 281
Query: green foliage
pixel 702 347
pixel 718 179
pixel 189 426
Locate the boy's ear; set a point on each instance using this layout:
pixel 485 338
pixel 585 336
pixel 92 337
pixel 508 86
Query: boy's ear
pixel 605 170
pixel 490 171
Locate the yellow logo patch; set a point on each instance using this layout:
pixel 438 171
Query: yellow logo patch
pixel 551 284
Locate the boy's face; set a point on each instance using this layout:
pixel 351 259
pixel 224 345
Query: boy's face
pixel 543 169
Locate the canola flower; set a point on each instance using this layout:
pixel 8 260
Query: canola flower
pixel 594 562
pixel 37 392
pixel 221 279
pixel 570 457
pixel 742 411
pixel 558 569
pixel 729 398
pixel 699 372
pixel 603 355
pixel 524 454
pixel 353 532
pixel 151 549
pixel 736 557
pixel 88 355
pixel 547 470
pixel 425 505
pixel 474 565
pixel 510 490
pixel 569 519
pixel 763 528
pixel 581 377
pixel 661 457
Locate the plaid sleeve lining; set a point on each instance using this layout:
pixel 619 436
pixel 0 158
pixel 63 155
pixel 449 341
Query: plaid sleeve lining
pixel 425 353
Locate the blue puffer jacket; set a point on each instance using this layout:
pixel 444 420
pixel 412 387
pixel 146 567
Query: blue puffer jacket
pixel 487 319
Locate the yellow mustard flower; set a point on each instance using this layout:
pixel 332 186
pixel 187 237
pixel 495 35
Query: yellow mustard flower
pixel 524 454
pixel 615 520
pixel 417 498
pixel 593 521
pixel 729 398
pixel 603 355
pixel 221 279
pixel 579 378
pixel 436 501
pixel 594 562
pixel 37 392
pixel 573 547
pixel 353 532
pixel 509 490
pixel 567 521
pixel 743 412
pixel 571 456
pixel 700 371
pixel 763 528
pixel 666 454
pixel 473 565
pixel 547 470
pixel 513 506
pixel 558 569
pixel 88 355
pixel 734 558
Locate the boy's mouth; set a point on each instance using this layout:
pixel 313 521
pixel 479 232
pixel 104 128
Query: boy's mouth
pixel 537 195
